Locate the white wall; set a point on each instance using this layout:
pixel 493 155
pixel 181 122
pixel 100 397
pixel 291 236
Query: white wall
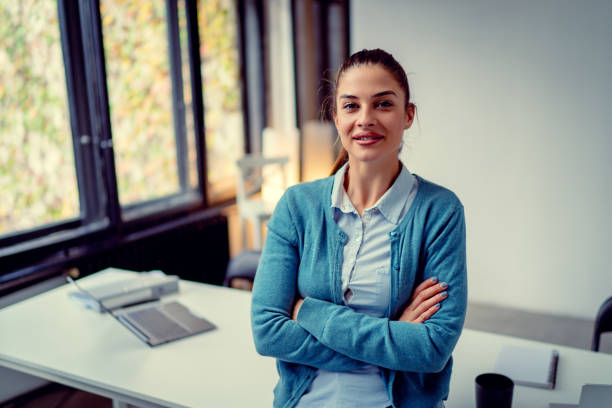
pixel 515 115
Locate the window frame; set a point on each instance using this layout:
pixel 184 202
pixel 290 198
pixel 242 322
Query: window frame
pixel 26 254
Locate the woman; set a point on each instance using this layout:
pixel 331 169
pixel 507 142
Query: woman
pixel 348 290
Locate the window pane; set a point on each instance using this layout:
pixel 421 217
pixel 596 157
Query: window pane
pixel 37 173
pixel 189 123
pixel 140 97
pixel 222 102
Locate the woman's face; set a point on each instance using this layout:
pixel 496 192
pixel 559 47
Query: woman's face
pixel 370 113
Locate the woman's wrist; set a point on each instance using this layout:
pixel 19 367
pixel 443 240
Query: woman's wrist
pixel 296 309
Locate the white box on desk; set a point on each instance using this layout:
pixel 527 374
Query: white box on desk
pixel 147 286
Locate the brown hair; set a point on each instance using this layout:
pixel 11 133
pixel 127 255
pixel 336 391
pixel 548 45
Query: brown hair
pixel 367 57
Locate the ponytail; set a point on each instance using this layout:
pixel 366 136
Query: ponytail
pixel 340 160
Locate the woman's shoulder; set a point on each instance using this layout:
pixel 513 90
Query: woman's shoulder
pixel 434 208
pixel 302 204
pixel 434 195
pixel 310 193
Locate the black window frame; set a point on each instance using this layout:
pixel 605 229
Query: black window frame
pixel 30 255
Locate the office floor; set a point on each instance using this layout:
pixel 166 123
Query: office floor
pixel 554 329
pixel 566 331
pixel 58 396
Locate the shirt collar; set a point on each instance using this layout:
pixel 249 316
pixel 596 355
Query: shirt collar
pixel 339 198
pixel 390 204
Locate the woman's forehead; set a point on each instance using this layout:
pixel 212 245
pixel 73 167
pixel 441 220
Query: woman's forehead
pixel 367 80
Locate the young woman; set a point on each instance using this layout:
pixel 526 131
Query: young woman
pixel 355 266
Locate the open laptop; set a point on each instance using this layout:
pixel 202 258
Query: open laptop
pixel 155 322
pixel 596 396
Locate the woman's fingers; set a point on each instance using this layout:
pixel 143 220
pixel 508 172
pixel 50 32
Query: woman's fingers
pixel 432 301
pixel 427 314
pixel 426 284
pixel 425 301
pixel 425 293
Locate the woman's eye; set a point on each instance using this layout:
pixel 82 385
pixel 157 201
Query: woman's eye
pixel 349 106
pixel 383 104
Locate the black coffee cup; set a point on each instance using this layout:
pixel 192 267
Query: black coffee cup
pixel 494 391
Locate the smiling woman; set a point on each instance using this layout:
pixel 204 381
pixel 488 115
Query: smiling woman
pixel 371 117
pixel 363 273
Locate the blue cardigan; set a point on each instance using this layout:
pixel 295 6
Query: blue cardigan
pixel 302 258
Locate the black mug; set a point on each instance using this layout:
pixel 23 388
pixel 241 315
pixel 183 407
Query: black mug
pixel 494 391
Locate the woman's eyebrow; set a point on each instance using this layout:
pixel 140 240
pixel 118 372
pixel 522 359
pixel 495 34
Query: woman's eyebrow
pixel 384 93
pixel 376 95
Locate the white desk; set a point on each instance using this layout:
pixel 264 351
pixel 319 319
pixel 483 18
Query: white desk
pixel 476 353
pixel 50 336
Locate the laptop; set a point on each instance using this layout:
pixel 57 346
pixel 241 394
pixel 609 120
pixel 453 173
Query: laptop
pixel 596 396
pixel 155 322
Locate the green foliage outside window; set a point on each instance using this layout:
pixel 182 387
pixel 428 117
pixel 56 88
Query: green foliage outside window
pixel 222 102
pixel 37 174
pixel 140 98
pixel 37 170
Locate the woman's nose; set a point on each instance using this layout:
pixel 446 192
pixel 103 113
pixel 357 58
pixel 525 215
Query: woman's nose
pixel 366 118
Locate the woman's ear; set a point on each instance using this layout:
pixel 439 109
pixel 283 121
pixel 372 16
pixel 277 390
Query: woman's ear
pixel 410 112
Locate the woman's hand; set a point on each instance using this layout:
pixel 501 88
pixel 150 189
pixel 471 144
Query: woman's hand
pixel 425 301
pixel 296 309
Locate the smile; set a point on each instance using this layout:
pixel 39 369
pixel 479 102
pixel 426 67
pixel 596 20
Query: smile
pixel 368 139
pixel 368 136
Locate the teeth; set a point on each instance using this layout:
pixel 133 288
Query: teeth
pixel 367 138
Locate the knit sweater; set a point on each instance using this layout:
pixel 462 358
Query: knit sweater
pixel 302 258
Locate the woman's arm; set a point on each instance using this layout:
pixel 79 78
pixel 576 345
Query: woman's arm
pixel 424 303
pixel 399 345
pixel 274 293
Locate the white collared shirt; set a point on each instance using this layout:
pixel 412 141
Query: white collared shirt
pixel 367 253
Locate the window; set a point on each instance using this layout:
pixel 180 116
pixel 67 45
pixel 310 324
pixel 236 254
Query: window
pixel 139 84
pixel 188 100
pixel 115 116
pixel 220 69
pixel 38 183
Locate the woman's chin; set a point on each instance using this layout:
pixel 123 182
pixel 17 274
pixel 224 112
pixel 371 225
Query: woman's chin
pixel 372 157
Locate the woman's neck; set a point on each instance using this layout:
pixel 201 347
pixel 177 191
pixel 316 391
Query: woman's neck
pixel 365 183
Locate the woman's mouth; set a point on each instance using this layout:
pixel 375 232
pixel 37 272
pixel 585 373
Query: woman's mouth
pixel 368 139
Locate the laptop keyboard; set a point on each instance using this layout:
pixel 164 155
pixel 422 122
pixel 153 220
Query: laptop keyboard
pixel 158 324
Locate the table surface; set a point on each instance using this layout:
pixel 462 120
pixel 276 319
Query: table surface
pixel 477 351
pixel 53 337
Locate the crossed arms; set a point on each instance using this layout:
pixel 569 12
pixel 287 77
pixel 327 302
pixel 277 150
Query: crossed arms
pixel 334 337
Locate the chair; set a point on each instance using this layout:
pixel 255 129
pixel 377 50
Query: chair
pixel 241 269
pixel 252 174
pixel 603 322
